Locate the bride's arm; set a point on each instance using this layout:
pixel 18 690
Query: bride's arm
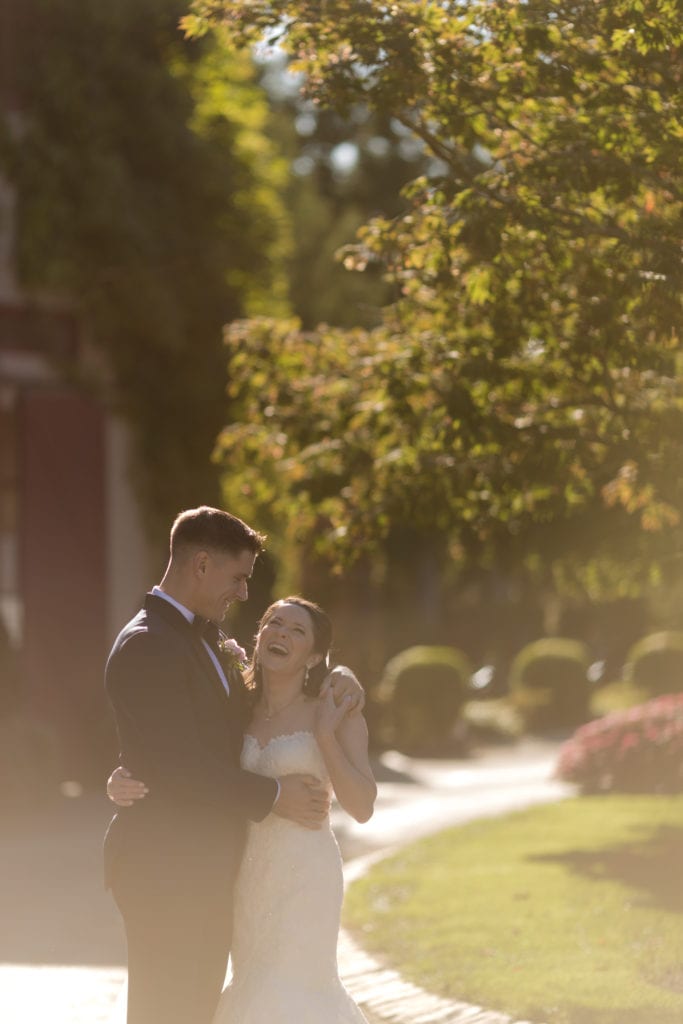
pixel 343 741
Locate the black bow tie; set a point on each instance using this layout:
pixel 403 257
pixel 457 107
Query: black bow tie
pixel 206 629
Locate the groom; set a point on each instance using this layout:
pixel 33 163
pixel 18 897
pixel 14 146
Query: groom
pixel 171 859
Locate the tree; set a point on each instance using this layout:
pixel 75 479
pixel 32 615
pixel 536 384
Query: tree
pixel 148 197
pixel 343 171
pixel 522 397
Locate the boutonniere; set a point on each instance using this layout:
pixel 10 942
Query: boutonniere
pixel 235 655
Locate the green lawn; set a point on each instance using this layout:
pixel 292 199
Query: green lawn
pixel 568 914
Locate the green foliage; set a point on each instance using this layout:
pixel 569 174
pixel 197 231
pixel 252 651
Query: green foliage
pixel 548 682
pixel 424 690
pixel 655 663
pixel 148 197
pixel 616 696
pixel 523 394
pixel 329 200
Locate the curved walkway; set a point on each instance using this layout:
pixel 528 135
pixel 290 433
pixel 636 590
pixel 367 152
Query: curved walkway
pixel 61 944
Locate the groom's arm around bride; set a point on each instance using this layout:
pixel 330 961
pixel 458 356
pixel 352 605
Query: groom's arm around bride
pixel 171 859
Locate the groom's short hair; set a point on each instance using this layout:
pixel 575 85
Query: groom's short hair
pixel 211 528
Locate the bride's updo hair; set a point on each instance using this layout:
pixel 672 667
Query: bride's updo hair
pixel 322 640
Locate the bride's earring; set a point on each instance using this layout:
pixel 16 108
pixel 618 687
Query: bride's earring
pixel 306 676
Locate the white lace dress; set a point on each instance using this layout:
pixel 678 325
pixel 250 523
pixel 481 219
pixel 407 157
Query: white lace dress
pixel 287 910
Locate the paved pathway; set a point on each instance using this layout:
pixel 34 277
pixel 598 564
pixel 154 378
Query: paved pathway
pixel 61 943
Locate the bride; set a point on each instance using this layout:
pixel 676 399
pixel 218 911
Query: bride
pixel 289 890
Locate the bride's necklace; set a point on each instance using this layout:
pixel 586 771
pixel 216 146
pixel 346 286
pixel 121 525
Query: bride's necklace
pixel 268 715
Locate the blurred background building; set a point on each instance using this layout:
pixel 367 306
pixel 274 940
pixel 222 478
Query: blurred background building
pixel 73 561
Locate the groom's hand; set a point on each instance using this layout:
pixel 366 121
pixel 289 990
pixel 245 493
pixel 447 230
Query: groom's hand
pixel 345 688
pixel 123 790
pixel 303 799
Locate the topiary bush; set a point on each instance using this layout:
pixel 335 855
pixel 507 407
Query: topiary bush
pixel 655 663
pixel 423 690
pixel 548 683
pixel 616 696
pixel 634 751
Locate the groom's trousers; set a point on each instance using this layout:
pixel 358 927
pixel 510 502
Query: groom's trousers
pixel 178 933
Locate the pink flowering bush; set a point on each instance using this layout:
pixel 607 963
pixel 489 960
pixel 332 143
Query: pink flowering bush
pixel 639 750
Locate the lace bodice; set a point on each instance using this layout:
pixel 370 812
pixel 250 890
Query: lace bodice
pixel 284 755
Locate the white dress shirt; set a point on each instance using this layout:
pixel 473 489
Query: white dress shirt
pixel 187 614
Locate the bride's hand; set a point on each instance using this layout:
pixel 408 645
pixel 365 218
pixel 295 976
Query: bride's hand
pixel 124 790
pixel 328 714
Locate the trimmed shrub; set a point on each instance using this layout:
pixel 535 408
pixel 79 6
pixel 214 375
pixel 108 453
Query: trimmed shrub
pixel 549 684
pixel 634 751
pixel 424 690
pixel 655 663
pixel 492 721
pixel 616 696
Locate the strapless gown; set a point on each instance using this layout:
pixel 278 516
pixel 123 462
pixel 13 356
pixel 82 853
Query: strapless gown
pixel 287 909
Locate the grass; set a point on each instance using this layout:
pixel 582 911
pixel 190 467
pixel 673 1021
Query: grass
pixel 569 914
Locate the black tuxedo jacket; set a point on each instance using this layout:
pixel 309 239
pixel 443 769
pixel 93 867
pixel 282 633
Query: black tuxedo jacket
pixel 182 735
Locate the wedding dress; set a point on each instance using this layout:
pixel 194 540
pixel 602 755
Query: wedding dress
pixel 287 909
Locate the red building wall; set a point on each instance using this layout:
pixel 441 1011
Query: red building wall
pixel 62 570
